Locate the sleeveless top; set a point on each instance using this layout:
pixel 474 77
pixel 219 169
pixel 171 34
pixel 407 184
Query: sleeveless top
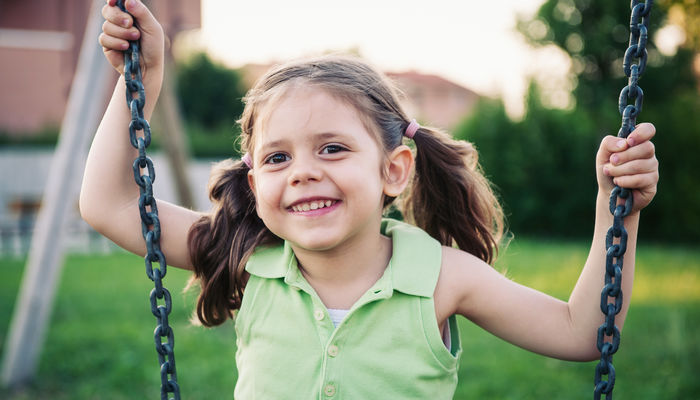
pixel 388 346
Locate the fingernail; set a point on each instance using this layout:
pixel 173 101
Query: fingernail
pixel 630 141
pixel 606 171
pixel 132 4
pixel 125 23
pixel 614 158
pixel 621 144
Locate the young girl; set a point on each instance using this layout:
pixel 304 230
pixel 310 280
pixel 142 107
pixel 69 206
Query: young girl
pixel 333 300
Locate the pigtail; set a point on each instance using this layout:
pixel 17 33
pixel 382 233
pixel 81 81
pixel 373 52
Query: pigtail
pixel 450 199
pixel 221 243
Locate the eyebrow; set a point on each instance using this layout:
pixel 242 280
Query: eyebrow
pixel 317 136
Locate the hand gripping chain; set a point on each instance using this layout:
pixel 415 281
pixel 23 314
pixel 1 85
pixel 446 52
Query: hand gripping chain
pixel 150 224
pixel 639 23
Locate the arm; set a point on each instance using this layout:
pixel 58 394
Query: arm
pixel 536 321
pixel 109 195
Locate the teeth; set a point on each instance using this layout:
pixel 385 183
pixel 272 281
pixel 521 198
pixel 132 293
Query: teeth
pixel 313 205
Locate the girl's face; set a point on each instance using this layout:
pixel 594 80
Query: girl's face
pixel 317 172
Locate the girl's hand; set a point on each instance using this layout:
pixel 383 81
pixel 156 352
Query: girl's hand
pixel 120 27
pixel 629 163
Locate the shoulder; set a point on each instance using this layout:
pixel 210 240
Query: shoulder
pixel 461 273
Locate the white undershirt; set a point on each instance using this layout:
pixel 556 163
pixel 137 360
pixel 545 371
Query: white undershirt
pixel 337 315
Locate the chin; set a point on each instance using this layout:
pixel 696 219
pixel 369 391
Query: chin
pixel 314 245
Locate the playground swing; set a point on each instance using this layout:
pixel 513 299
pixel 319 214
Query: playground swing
pixel 608 339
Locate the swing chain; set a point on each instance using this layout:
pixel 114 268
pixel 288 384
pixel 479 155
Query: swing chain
pixel 144 175
pixel 621 203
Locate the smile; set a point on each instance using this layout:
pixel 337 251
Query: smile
pixel 312 205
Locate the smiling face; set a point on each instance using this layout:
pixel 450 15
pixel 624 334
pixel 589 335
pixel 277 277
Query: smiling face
pixel 317 172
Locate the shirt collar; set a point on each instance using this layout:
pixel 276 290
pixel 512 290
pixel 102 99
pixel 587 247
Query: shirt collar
pixel 414 265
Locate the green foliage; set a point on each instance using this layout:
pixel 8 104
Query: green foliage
pixel 210 97
pixel 216 142
pixel 45 137
pixel 210 94
pixel 544 164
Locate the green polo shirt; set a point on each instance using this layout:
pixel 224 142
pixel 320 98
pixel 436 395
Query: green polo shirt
pixel 387 347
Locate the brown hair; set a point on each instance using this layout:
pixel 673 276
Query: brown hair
pixel 450 198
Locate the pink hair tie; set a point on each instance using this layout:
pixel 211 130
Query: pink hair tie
pixel 411 129
pixel 246 159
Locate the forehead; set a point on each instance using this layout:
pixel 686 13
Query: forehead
pixel 301 110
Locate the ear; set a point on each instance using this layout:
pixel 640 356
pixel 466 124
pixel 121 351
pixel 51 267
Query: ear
pixel 251 181
pixel 398 170
pixel 251 184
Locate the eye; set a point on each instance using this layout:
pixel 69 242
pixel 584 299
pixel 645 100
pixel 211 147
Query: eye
pixel 276 158
pixel 332 148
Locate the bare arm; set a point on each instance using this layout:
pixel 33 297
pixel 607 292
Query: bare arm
pixel 109 195
pixel 536 321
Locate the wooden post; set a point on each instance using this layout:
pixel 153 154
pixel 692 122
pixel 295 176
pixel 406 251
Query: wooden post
pixel 35 299
pixel 173 134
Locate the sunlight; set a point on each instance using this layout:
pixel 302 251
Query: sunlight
pixel 474 44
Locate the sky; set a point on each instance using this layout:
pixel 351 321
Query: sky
pixel 471 43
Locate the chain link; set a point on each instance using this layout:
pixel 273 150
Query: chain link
pixel 144 175
pixel 608 340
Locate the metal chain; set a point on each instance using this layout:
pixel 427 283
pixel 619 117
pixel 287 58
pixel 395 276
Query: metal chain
pixel 144 175
pixel 608 340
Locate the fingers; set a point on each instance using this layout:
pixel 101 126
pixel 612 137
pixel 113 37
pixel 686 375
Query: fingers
pixel 641 133
pixel 624 161
pixel 117 38
pixel 627 174
pixel 630 163
pixel 123 25
pixel 115 15
pixel 137 23
pixel 642 151
pixel 144 19
pixel 117 29
pixel 646 181
pixel 611 144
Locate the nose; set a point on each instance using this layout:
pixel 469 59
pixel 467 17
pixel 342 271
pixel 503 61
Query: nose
pixel 304 171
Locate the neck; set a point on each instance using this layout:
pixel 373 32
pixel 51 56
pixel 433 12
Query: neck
pixel 341 275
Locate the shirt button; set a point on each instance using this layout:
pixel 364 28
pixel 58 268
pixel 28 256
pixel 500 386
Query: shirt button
pixel 319 314
pixel 329 390
pixel 332 350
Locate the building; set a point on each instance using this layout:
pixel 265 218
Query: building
pixel 434 100
pixel 39 45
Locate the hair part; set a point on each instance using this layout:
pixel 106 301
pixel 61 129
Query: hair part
pixel 449 197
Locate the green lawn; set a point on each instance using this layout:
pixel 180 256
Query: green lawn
pixel 100 343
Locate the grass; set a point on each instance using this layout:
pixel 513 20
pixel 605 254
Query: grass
pixel 100 342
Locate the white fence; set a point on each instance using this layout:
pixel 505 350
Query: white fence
pixel 15 239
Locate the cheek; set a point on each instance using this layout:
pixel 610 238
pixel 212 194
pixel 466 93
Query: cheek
pixel 267 194
pixel 368 179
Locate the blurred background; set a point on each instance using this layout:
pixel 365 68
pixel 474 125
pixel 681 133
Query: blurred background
pixel 533 84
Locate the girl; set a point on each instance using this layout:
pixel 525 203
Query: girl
pixel 333 301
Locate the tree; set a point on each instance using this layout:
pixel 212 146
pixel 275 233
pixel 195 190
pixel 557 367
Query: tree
pixel 529 155
pixel 210 94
